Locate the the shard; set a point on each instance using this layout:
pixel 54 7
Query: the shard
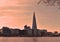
pixel 34 25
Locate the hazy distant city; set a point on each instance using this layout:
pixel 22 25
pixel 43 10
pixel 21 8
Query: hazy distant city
pixel 27 31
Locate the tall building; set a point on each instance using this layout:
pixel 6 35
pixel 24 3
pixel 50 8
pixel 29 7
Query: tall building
pixel 34 25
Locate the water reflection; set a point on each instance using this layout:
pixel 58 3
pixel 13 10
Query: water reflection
pixel 33 39
pixel 29 39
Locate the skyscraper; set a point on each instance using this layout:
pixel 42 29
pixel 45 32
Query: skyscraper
pixel 34 25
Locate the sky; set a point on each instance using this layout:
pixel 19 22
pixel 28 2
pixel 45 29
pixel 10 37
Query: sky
pixel 17 13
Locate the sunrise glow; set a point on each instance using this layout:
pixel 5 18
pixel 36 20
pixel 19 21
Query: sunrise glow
pixel 17 13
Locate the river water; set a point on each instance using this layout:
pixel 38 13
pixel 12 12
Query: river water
pixel 29 39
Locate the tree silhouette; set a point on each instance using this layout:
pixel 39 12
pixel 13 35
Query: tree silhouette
pixel 50 2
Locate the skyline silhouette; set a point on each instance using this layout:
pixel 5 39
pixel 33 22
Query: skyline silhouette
pixel 17 13
pixel 34 24
pixel 28 31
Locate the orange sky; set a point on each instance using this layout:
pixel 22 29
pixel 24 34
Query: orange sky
pixel 17 13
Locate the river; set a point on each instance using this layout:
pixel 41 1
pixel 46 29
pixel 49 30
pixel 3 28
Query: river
pixel 29 39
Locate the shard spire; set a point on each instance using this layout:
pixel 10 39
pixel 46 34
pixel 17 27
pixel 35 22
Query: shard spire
pixel 34 25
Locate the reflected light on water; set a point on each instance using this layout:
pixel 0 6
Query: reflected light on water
pixel 29 39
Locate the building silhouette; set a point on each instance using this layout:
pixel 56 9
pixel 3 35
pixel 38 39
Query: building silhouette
pixel 34 25
pixel 28 31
